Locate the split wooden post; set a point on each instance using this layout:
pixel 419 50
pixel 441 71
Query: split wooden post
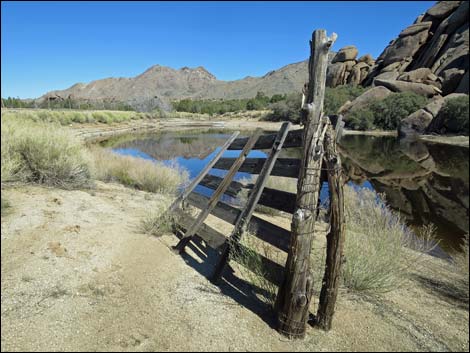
pixel 245 216
pixel 336 235
pixel 293 300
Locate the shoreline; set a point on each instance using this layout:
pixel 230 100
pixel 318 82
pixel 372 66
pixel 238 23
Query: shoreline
pixel 98 132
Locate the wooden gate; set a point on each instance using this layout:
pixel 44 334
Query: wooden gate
pixel 318 142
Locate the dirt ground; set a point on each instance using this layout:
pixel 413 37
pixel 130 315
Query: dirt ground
pixel 79 275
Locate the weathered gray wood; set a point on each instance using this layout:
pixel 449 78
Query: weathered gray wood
pixel 287 167
pixel 336 235
pixel 273 271
pixel 212 237
pixel 295 294
pixel 293 139
pixel 203 172
pixel 218 193
pixel 264 230
pixel 255 194
pixel 235 187
pixel 278 199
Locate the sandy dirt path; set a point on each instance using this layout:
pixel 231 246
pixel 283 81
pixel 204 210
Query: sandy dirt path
pixel 79 275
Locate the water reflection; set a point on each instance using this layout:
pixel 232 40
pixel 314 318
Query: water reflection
pixel 427 183
pixel 424 182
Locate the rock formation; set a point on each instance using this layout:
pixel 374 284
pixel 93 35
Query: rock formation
pixel 433 51
pixel 345 69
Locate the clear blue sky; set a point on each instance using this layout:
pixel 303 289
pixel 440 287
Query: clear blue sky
pixel 52 45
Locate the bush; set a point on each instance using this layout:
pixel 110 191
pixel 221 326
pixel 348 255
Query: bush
pixel 455 115
pixel 137 172
pixel 42 153
pixel 336 97
pixel 390 111
pixel 377 254
pixel 288 109
pixel 361 119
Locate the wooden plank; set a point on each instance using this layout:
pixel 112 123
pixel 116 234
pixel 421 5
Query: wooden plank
pixel 203 172
pixel 336 235
pixel 244 217
pixel 265 142
pixel 287 167
pixel 218 193
pixel 264 230
pixel 212 182
pixel 273 271
pixel 295 293
pixel 278 199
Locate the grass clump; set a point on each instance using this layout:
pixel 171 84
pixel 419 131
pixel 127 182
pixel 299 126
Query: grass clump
pixel 377 246
pixel 5 205
pixel 251 268
pixel 137 172
pixel 42 153
pixel 461 263
pixel 158 222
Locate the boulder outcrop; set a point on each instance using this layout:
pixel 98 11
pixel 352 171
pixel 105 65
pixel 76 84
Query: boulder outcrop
pixel 432 51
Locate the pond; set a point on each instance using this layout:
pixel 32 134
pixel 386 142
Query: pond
pixel 425 182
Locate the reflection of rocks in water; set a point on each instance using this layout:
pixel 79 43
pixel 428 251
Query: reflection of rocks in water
pixel 172 145
pixel 426 183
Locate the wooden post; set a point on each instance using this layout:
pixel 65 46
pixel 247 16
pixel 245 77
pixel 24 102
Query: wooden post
pixel 293 300
pixel 336 235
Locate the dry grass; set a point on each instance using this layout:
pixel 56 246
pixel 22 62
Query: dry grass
pixel 42 153
pixel 248 261
pixel 461 264
pixel 137 172
pixel 377 248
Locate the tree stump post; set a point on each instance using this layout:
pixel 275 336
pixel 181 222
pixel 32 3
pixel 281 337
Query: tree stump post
pixel 295 293
pixel 336 235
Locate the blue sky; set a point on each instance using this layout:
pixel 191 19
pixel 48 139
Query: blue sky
pixel 52 45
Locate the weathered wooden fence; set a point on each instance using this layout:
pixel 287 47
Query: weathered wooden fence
pixel 318 142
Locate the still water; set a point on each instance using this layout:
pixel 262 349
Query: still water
pixel 426 183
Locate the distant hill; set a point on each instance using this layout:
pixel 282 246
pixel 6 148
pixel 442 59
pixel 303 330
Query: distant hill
pixel 159 85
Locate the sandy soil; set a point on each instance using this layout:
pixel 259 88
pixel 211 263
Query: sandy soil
pixel 79 275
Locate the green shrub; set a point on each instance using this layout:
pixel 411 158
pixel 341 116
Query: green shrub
pixel 336 97
pixel 455 115
pixel 42 153
pixel 361 119
pixel 390 111
pixel 288 109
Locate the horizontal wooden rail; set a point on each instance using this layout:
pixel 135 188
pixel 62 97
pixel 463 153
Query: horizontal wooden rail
pixel 287 167
pixel 280 200
pixel 293 139
pixel 235 187
pixel 273 271
pixel 268 232
pixel 212 237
